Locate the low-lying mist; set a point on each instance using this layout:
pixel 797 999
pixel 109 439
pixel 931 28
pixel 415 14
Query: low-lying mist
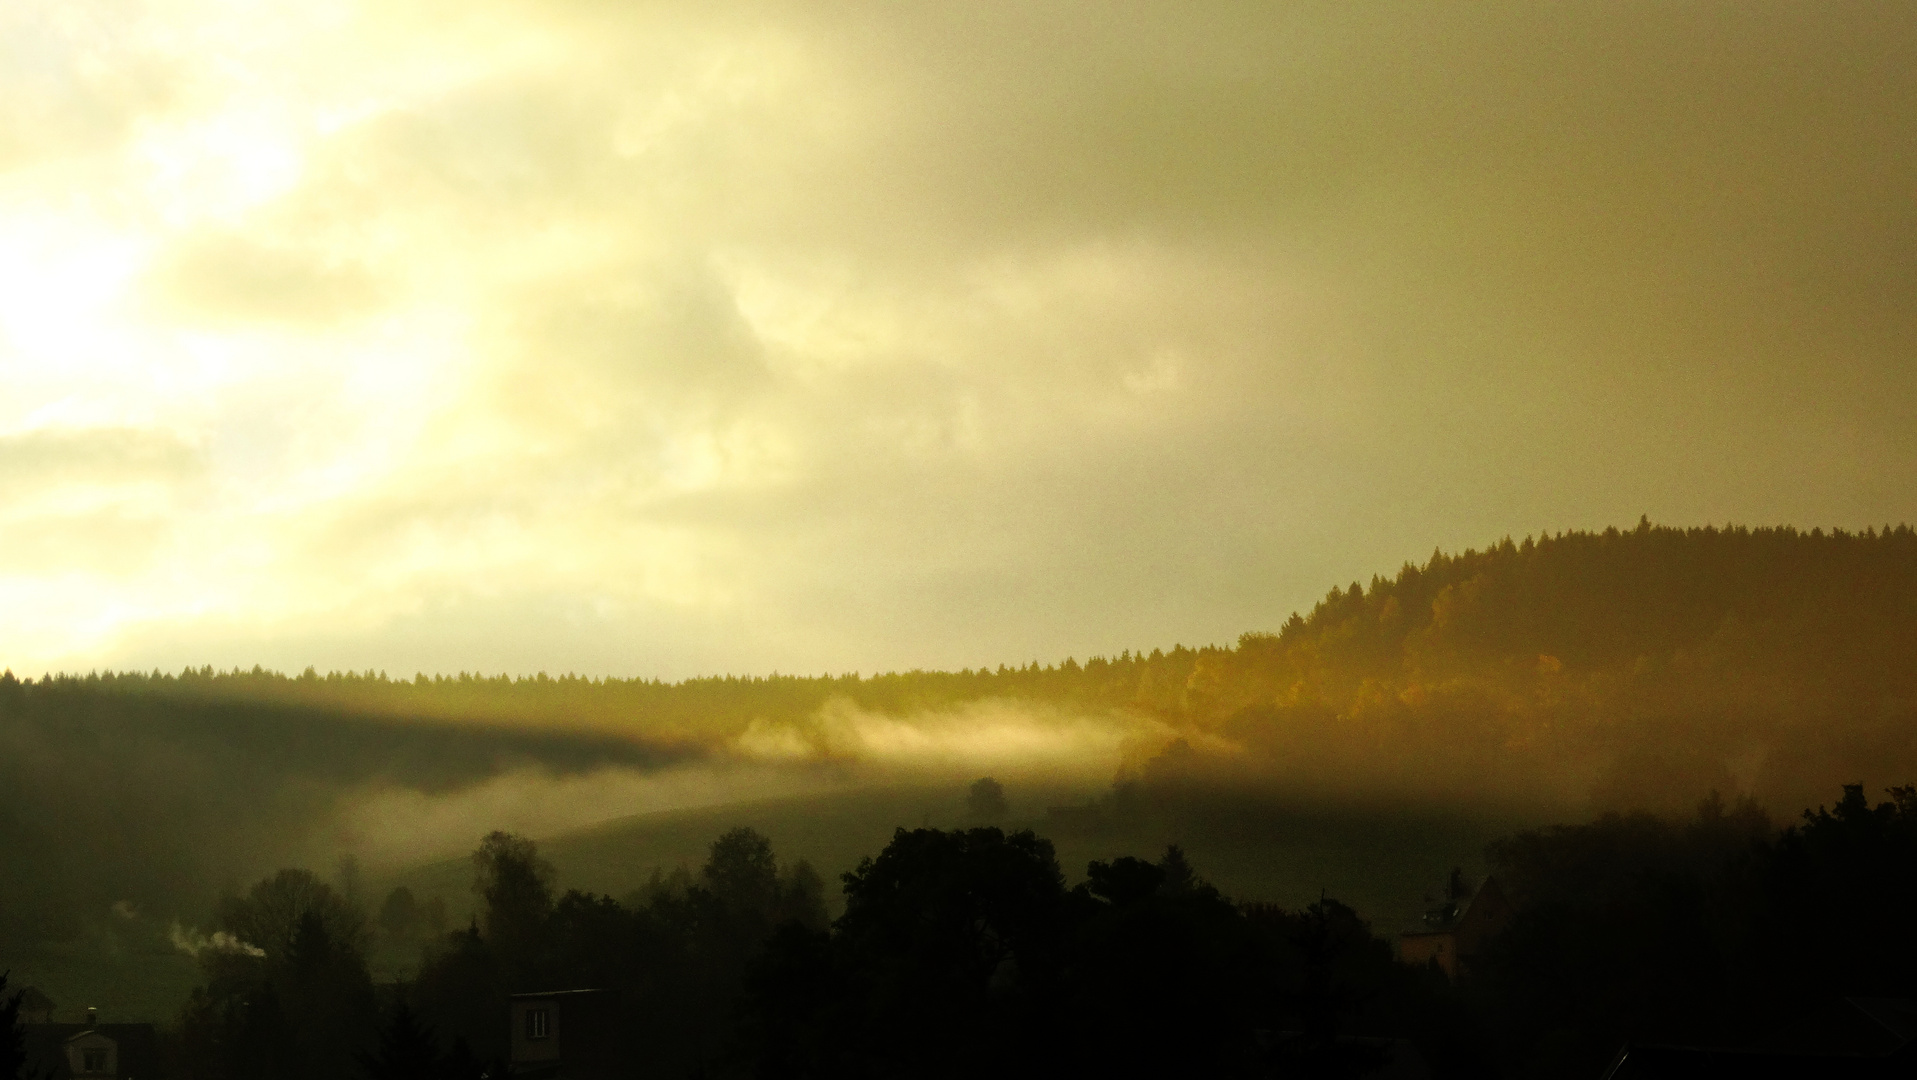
pixel 112 793
pixel 385 819
pixel 1007 736
pixel 839 747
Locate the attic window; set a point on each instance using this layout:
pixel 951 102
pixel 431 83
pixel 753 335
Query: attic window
pixel 538 1023
pixel 93 1059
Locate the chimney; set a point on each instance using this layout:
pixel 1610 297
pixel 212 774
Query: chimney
pixel 93 1015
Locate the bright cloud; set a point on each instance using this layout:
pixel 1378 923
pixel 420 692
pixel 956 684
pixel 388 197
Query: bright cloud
pixel 666 338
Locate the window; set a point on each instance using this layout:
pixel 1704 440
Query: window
pixel 93 1059
pixel 538 1023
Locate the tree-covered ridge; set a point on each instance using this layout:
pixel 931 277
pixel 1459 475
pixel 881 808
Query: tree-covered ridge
pixel 1654 664
pixel 1772 661
pixel 1613 599
pixel 1590 599
pixel 692 710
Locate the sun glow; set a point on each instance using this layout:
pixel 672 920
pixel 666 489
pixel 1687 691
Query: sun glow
pixel 734 337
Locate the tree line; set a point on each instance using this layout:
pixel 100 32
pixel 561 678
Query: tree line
pixel 1642 666
pixel 957 951
pixel 964 951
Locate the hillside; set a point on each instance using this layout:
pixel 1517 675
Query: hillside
pixel 1533 680
pixel 1621 664
pixel 1640 668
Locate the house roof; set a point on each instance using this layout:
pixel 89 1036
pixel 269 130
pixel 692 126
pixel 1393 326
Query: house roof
pixel 1445 916
pixel 91 1033
pixel 32 1000
pixel 559 994
pixel 46 1045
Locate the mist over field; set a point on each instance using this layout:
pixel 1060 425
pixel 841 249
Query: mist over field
pixel 203 781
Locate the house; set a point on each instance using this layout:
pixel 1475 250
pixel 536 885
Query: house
pixel 93 1053
pixel 1453 930
pixel 90 1050
pixel 568 1035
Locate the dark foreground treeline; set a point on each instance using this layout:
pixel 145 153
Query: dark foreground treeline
pixel 288 993
pixel 963 952
pixel 1716 930
pixel 958 952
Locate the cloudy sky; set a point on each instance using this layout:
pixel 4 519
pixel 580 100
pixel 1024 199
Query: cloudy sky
pixel 672 338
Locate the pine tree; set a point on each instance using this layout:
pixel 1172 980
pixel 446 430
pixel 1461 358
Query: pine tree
pixel 407 1049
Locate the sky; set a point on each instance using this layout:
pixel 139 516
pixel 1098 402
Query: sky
pixel 673 338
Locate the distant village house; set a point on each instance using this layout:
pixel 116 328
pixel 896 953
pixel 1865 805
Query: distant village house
pixel 89 1050
pixel 1453 929
pixel 568 1035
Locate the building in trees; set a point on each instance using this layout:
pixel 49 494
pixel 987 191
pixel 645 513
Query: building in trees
pixel 90 1050
pixel 1453 929
pixel 985 801
pixel 568 1035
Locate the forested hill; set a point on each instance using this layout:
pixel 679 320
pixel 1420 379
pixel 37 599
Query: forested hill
pixel 1638 668
pixel 1643 666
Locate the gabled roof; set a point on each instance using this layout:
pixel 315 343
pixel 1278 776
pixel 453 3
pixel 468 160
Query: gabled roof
pixel 91 1033
pixel 559 994
pixel 46 1046
pixel 1445 917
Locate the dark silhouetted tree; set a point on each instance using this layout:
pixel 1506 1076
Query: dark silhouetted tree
pixel 1324 1000
pixel 1160 975
pixel 985 801
pixel 1179 875
pixel 462 992
pixel 400 915
pixel 287 994
pixel 801 897
pixel 407 1049
pixel 946 943
pixel 269 915
pixel 742 873
pixel 516 887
